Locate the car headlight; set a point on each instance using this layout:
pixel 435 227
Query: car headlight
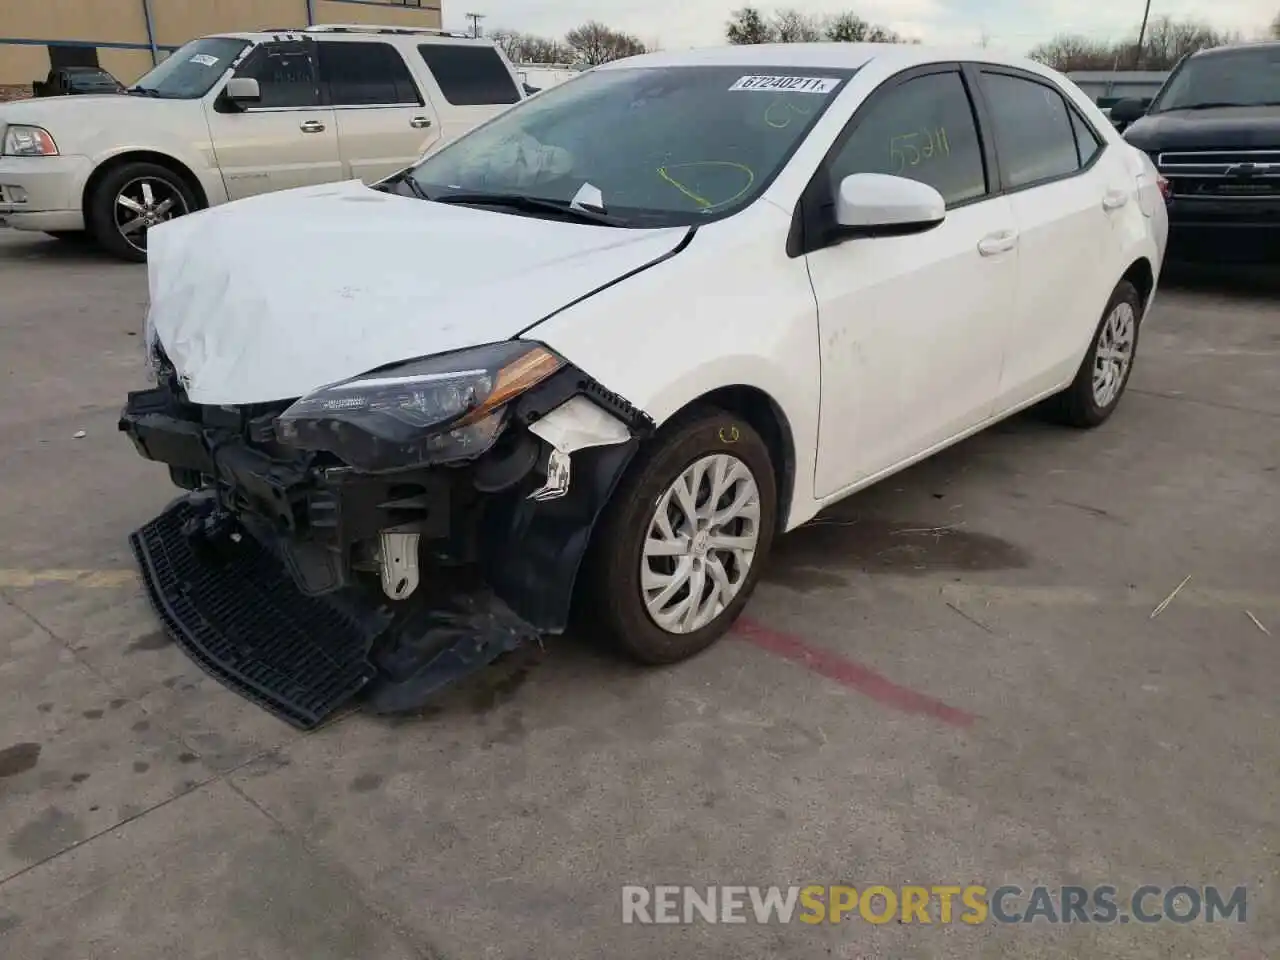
pixel 21 140
pixel 441 408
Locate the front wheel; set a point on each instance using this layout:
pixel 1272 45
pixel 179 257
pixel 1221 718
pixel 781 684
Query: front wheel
pixel 130 200
pixel 1103 375
pixel 685 538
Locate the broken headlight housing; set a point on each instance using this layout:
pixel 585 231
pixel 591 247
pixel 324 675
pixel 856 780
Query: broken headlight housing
pixel 434 410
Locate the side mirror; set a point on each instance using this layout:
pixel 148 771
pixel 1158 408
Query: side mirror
pixel 1127 111
pixel 880 205
pixel 243 91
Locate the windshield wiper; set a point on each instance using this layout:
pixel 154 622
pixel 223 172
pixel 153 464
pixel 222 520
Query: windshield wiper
pixel 405 178
pixel 1210 105
pixel 518 201
pixel 144 91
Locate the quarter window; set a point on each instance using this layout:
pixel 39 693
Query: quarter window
pixel 361 74
pixel 469 75
pixel 1087 143
pixel 285 73
pixel 923 129
pixel 1034 135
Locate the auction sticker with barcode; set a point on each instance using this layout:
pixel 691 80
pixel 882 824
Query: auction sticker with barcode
pixel 787 84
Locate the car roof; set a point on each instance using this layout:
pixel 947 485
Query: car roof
pixel 834 56
pixel 1239 47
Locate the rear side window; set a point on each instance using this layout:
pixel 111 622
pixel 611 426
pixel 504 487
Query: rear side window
pixel 1035 137
pixel 471 75
pixel 363 74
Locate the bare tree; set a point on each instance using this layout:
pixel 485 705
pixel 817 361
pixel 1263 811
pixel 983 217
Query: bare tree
pixel 595 43
pixel 848 27
pixel 529 48
pixel 792 26
pixel 1164 43
pixel 748 26
pixel 1068 53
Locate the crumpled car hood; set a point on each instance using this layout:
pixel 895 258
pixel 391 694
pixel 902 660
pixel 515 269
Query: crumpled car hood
pixel 271 297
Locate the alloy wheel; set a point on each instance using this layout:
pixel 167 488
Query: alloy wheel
pixel 700 543
pixel 143 203
pixel 1114 353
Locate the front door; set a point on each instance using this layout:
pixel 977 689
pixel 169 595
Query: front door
pixel 912 327
pixel 288 139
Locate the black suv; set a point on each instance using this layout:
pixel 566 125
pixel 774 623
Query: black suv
pixel 1213 131
pixel 68 81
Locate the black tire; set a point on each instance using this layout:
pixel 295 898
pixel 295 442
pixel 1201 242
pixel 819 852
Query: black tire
pixel 1078 406
pixel 102 204
pixel 616 599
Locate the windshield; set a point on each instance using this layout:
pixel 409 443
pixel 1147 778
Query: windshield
pixel 189 72
pixel 1239 78
pixel 664 146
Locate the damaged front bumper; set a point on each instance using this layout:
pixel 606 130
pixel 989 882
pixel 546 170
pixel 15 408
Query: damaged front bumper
pixel 300 581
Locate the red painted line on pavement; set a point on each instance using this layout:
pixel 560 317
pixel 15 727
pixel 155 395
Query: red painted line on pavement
pixel 849 673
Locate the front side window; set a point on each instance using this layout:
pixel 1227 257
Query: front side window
pixel 286 74
pixel 1034 135
pixel 922 129
pixel 469 75
pixel 363 74
pixel 190 71
pixel 664 146
pixel 1236 78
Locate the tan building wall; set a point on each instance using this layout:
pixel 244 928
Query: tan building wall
pixel 117 29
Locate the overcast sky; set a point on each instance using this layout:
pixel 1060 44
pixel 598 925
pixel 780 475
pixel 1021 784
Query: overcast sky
pixel 1014 25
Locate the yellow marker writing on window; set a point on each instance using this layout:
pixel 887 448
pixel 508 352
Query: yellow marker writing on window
pixel 703 202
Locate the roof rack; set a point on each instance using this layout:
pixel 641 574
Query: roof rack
pixel 375 28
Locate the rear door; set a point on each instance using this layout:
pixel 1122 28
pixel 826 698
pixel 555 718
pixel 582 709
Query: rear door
pixel 1063 200
pixel 285 140
pixel 471 83
pixel 383 121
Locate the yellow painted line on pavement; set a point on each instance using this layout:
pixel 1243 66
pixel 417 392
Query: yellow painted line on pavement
pixel 98 579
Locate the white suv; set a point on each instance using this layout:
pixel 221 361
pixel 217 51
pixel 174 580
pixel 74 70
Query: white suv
pixel 233 115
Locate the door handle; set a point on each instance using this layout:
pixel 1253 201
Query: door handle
pixel 311 126
pixel 420 123
pixel 1114 199
pixel 994 243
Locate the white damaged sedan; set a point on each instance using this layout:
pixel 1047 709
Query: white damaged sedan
pixel 603 349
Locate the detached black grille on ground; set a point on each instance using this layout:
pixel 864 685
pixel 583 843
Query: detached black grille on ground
pixel 238 614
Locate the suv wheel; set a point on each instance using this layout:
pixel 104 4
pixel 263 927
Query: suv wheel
pixel 130 200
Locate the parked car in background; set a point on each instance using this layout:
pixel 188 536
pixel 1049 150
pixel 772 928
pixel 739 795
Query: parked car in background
pixel 68 81
pixel 653 318
pixel 1213 131
pixel 239 114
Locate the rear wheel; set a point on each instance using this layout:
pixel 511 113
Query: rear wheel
pixel 1104 374
pixel 685 538
pixel 130 200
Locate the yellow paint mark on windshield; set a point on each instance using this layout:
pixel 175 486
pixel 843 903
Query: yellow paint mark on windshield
pixel 701 201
